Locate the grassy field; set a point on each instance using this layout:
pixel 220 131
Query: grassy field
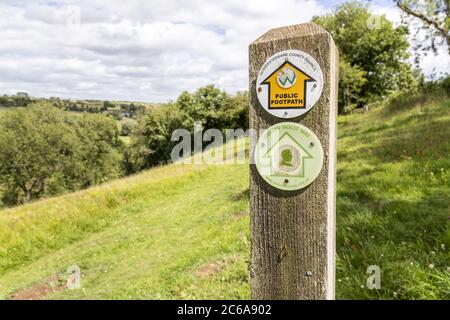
pixel 182 231
pixel 5 109
pixel 393 202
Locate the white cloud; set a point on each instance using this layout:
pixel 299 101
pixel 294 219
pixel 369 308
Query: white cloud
pixel 429 64
pixel 144 50
pixel 141 50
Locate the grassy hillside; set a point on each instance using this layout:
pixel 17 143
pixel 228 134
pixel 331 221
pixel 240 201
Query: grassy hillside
pixel 393 201
pixel 183 231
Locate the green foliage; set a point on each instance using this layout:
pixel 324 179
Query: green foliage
pixel 107 105
pixel 14 101
pixel 373 54
pixel 239 112
pixel 127 126
pixel 116 110
pixel 427 92
pixel 131 110
pixel 151 139
pixel 215 108
pixel 437 88
pixel 43 151
pixel 351 81
pixel 99 150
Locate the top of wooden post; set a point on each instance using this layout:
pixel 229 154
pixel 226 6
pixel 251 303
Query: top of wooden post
pixel 293 31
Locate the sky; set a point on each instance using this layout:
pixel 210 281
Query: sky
pixel 144 50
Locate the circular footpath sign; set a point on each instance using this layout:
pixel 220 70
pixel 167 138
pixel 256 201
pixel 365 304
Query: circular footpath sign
pixel 288 156
pixel 289 84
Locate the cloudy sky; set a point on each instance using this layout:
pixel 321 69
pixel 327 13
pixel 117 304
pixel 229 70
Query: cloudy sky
pixel 143 50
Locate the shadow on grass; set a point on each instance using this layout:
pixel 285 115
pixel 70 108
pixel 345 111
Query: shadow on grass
pixel 408 101
pixel 428 140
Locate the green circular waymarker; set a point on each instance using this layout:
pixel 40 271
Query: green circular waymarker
pixel 288 156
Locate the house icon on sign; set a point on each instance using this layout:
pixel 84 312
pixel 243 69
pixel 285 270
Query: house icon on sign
pixel 287 157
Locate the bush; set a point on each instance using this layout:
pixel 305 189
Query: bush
pixel 151 139
pixel 127 126
pixel 426 92
pixel 151 143
pixel 215 108
pixel 44 151
pixel 14 101
pixel 445 85
pixel 440 87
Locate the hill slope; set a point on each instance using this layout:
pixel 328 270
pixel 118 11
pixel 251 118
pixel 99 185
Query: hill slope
pixel 182 231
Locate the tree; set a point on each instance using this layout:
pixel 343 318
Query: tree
pixel 107 105
pixel 99 158
pixel 351 81
pixel 378 55
pixel 151 143
pixel 30 148
pixel 209 105
pixel 127 126
pixel 44 151
pixel 239 115
pixel 215 108
pixel 435 16
pixel 151 139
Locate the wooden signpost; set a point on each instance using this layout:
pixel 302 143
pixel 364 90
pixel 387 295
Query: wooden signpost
pixel 293 92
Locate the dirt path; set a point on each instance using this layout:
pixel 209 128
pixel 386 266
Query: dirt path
pixel 41 290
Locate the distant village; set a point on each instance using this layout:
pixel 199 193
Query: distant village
pixel 118 110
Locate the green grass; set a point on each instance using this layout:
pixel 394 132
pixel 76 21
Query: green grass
pixel 125 139
pixel 393 201
pixel 6 109
pixel 142 237
pixel 182 232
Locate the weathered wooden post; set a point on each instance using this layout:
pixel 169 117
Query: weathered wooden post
pixel 293 90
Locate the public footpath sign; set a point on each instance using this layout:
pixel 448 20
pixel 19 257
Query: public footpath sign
pixel 289 84
pixel 293 75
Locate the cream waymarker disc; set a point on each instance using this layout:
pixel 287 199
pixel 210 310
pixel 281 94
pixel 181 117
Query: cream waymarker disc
pixel 289 84
pixel 288 156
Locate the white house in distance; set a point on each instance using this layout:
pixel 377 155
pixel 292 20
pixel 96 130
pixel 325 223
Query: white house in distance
pixel 22 94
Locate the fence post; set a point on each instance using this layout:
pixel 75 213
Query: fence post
pixel 293 231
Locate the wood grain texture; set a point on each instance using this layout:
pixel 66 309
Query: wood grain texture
pixel 293 232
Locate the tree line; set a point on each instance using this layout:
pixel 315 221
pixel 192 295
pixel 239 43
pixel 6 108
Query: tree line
pixel 14 101
pixel 45 151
